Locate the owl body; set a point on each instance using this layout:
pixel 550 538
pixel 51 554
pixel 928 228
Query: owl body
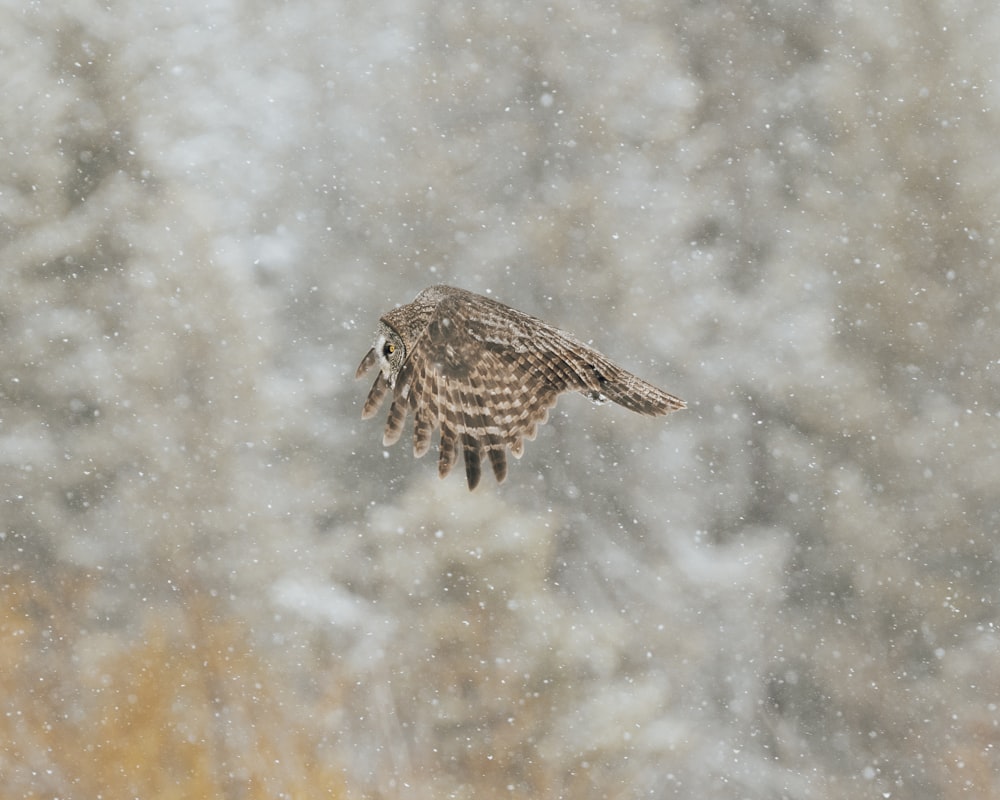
pixel 486 375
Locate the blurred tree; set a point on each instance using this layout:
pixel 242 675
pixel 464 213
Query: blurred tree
pixel 789 591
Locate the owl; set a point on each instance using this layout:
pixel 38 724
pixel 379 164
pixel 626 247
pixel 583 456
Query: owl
pixel 486 375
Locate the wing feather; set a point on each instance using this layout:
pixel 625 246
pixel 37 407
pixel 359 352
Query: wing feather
pixel 366 363
pixel 592 373
pixel 447 449
pixel 424 397
pixel 394 424
pixel 375 397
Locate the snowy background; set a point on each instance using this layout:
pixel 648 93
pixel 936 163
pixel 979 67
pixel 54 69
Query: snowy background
pixel 216 581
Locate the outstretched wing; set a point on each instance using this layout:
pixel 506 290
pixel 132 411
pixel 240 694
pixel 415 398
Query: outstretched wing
pixel 584 369
pixel 487 375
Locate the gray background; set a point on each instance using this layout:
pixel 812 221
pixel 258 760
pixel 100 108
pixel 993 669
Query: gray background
pixel 217 582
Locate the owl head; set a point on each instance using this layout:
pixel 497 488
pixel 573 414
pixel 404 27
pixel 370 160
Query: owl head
pixel 390 350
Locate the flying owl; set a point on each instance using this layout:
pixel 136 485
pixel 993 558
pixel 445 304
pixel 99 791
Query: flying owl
pixel 486 375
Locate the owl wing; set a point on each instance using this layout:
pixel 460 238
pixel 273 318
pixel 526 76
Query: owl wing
pixel 581 368
pixel 467 377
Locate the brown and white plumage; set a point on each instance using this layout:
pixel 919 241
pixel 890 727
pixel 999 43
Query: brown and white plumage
pixel 486 375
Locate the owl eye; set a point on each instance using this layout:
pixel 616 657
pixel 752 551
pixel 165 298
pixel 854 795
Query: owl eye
pixel 388 349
